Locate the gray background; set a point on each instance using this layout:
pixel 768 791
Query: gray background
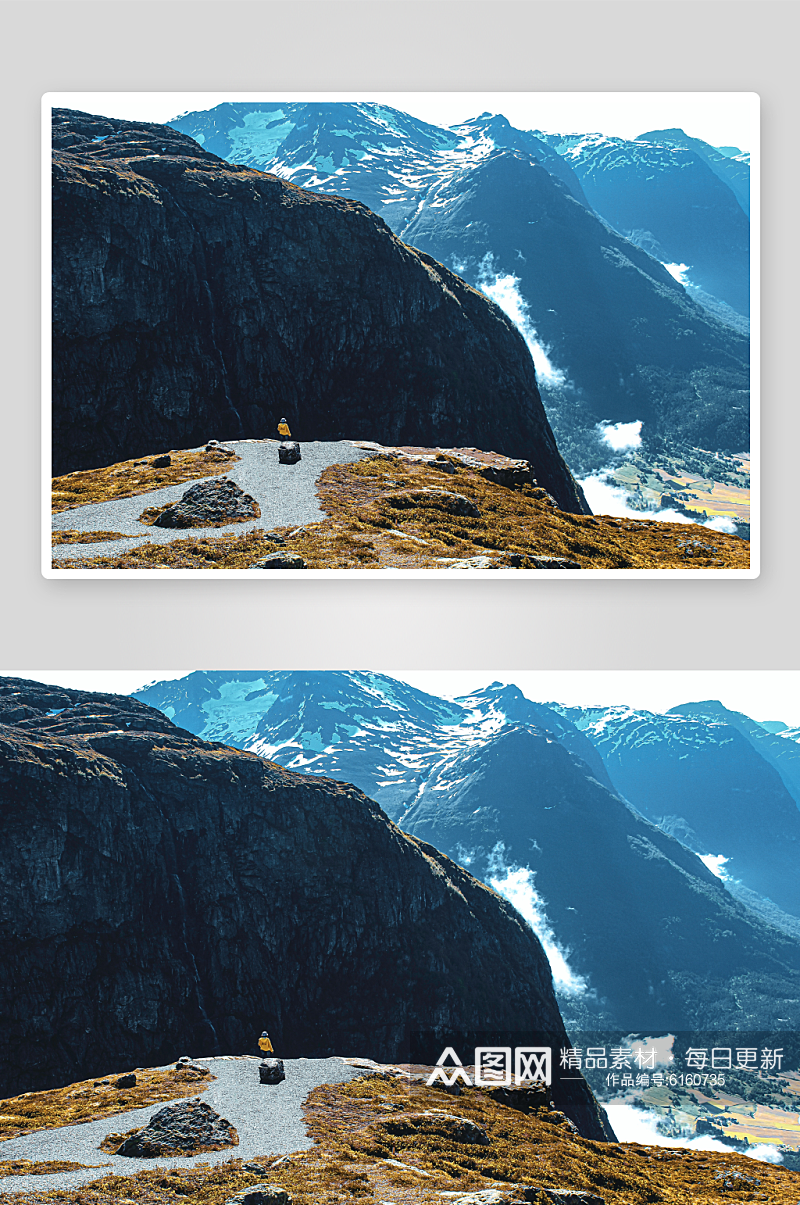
pixel 435 46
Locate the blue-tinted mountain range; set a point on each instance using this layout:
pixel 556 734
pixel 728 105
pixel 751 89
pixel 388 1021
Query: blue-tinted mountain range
pixel 641 928
pixel 571 233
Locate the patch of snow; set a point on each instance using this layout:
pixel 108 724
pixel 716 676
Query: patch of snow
pixel 678 272
pixel 715 862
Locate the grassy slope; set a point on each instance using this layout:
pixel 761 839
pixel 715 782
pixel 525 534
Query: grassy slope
pixel 370 525
pixel 360 1125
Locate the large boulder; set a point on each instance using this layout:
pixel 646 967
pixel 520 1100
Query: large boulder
pixel 183 1128
pixel 289 453
pixel 213 503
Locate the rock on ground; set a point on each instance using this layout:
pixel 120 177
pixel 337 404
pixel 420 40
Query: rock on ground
pixel 271 1071
pixel 281 560
pixel 261 1194
pixel 186 1127
pixel 451 504
pixel 289 453
pixel 208 504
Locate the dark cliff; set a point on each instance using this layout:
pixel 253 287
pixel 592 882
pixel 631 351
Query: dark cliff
pixel 164 894
pixel 193 298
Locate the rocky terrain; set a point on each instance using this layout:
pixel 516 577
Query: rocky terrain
pixel 365 507
pixel 193 298
pixel 382 1138
pixel 163 892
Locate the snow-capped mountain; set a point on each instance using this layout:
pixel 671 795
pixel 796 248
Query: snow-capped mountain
pixel 639 929
pixel 376 154
pixel 668 199
pixel 707 783
pixel 614 335
pixel 728 162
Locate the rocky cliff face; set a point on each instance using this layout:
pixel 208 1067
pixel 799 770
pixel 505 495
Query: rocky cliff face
pixel 193 298
pixel 641 934
pixel 164 894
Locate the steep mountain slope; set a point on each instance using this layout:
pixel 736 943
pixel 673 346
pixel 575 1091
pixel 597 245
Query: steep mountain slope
pixel 638 930
pixel 615 328
pixel 642 935
pixel 705 783
pixel 614 336
pixel 373 153
pixel 160 892
pixel 732 169
pixel 668 199
pixel 192 299
pixel 779 748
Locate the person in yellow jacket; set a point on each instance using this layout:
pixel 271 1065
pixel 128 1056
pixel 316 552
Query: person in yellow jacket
pixel 264 1043
pixel 283 430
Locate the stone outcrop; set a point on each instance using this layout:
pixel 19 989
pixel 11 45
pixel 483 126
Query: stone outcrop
pixel 194 297
pixel 186 1127
pixel 444 500
pixel 165 896
pixel 260 1194
pixel 213 503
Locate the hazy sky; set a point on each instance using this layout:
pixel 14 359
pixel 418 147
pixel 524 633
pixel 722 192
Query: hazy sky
pixel 720 118
pixel 761 694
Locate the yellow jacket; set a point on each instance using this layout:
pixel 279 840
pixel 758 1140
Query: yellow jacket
pixel 265 1044
pixel 283 431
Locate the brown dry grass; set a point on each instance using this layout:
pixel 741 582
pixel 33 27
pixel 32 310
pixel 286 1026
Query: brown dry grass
pixel 365 528
pixel 353 1143
pixel 93 1099
pixel 132 477
pixel 26 1167
pixel 71 536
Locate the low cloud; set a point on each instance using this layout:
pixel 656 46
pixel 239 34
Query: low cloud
pixel 721 523
pixel 515 884
pixel 503 289
pixel 641 1125
pixel 622 437
pixel 607 499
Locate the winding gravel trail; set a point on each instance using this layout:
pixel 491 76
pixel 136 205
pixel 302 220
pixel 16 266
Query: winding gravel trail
pixel 268 1118
pixel 285 493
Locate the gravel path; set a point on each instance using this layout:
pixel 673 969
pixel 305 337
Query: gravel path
pixel 268 1118
pixel 285 493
